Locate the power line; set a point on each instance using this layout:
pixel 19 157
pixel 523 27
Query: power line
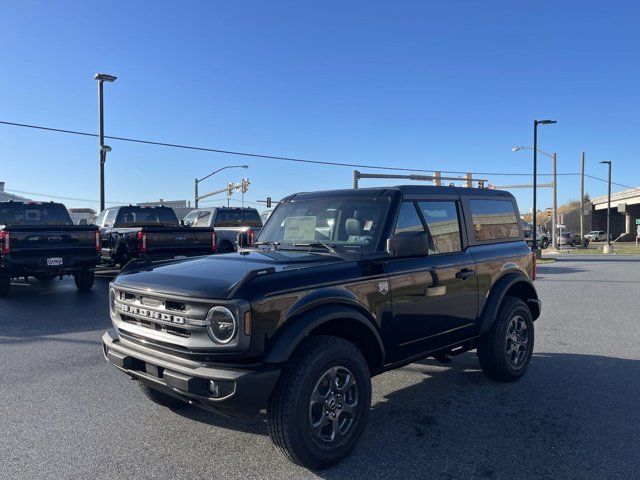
pixel 253 155
pixel 59 197
pixel 274 157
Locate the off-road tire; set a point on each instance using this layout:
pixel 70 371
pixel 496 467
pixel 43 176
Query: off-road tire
pixel 84 280
pixel 160 398
pixel 493 346
pixel 5 284
pixel 289 407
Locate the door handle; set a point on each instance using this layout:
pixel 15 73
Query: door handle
pixel 465 273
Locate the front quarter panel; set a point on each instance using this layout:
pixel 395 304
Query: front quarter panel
pixel 280 299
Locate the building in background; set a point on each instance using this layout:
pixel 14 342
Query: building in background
pixel 8 197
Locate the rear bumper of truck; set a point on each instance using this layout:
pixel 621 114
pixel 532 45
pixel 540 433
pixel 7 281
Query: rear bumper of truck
pixel 32 265
pixel 234 392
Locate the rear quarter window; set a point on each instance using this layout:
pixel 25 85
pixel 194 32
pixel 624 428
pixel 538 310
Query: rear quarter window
pixel 494 220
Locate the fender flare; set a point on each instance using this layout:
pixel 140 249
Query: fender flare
pixel 298 327
pixel 497 294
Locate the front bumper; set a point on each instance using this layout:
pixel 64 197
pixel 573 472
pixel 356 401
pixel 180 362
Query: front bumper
pixel 242 392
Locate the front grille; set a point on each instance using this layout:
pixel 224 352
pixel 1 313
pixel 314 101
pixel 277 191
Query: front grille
pixel 158 327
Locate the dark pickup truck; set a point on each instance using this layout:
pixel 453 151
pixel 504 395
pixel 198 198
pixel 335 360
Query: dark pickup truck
pixel 41 241
pixel 150 234
pixel 228 222
pixel 339 286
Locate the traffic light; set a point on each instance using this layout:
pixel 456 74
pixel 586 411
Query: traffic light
pixel 230 187
pixel 245 185
pixel 268 202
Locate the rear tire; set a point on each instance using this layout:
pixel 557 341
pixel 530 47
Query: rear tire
pixel 545 243
pixel 321 403
pixel 160 398
pixel 5 283
pixel 84 280
pixel 505 351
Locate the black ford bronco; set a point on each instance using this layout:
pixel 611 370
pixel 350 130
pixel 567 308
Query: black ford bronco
pixel 339 286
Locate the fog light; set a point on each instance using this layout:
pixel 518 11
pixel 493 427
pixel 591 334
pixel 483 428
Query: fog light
pixel 214 388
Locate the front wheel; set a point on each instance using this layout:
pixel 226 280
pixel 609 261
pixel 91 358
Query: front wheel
pixel 5 283
pixel 84 280
pixel 321 404
pixel 545 243
pixel 505 351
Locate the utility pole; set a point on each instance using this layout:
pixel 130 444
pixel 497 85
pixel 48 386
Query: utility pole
pixel 582 199
pixel 101 78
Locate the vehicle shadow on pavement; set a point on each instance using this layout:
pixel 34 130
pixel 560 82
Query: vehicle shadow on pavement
pixel 570 416
pixel 556 270
pixel 36 310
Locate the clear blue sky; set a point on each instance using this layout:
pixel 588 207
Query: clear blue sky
pixel 433 85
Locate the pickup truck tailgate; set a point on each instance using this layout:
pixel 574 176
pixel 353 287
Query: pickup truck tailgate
pixel 181 241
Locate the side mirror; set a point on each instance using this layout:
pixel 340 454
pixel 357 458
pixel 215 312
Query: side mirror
pixel 182 224
pixel 410 244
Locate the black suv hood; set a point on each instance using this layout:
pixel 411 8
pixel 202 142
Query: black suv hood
pixel 214 276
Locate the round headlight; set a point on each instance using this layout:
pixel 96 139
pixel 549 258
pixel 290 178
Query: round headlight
pixel 222 324
pixel 112 301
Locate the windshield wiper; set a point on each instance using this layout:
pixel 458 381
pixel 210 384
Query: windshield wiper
pixel 329 246
pixel 275 245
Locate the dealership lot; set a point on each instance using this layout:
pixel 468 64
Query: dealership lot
pixel 65 413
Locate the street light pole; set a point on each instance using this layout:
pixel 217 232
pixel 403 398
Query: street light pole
pixel 198 180
pixel 101 78
pixel 554 183
pixel 608 162
pixel 534 243
pixel 554 214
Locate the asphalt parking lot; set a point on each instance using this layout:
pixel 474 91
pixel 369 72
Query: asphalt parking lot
pixel 65 413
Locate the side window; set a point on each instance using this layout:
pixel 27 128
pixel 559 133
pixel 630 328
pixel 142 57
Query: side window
pixel 190 219
pixel 203 219
pixel 408 219
pixel 494 219
pixel 100 218
pixel 443 225
pixel 110 217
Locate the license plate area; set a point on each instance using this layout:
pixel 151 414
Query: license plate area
pixel 54 261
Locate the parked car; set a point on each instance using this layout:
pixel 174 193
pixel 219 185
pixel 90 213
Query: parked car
pixel 568 238
pixel 227 222
pixel 542 238
pixel 149 233
pixel 596 236
pixel 340 286
pixel 40 240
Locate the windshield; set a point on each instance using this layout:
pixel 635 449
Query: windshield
pixel 141 216
pixel 348 224
pixel 34 214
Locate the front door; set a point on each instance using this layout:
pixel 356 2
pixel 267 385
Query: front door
pixel 435 296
